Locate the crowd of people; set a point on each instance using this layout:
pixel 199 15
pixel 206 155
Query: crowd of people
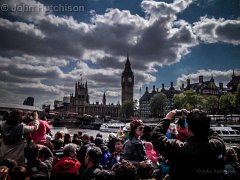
pixel 187 149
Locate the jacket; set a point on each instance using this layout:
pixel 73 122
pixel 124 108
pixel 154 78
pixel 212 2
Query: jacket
pixel 67 165
pixel 13 143
pixel 133 150
pixel 197 158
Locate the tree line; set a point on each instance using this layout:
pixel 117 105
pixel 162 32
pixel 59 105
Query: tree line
pixel 228 103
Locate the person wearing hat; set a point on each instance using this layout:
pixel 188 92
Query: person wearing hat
pixel 133 149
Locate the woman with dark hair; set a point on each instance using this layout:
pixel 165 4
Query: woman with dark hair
pixel 134 151
pixel 13 131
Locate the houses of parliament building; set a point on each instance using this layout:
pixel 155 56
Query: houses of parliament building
pixel 79 102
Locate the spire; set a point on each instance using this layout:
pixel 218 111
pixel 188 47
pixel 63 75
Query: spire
pixel 128 62
pixel 81 78
pixel 140 91
pixel 233 73
pixel 104 98
pixel 86 84
pixel 212 78
pixel 76 89
pixel 127 69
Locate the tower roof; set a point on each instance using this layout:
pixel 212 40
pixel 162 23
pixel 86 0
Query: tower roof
pixel 127 69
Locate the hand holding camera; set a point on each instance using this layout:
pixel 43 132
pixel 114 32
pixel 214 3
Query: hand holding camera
pixel 183 112
pixel 173 113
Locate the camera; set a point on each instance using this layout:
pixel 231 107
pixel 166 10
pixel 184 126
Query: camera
pixel 178 112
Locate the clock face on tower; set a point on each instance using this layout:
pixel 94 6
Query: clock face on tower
pixel 129 79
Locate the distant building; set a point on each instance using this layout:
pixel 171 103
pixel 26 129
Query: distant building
pixel 144 102
pixel 57 104
pixel 79 103
pixel 46 108
pixel 234 82
pixel 29 101
pixel 205 88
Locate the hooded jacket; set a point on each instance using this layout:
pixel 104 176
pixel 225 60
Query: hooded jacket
pixel 67 165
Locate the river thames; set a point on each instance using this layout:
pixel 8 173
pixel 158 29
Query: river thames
pixel 105 134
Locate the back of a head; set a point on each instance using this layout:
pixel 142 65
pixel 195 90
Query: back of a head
pixel 59 135
pixel 105 175
pixel 19 173
pixel 230 155
pixel 99 135
pixel 85 137
pixel 98 141
pixel 14 118
pixel 198 122
pixel 124 170
pixel 70 149
pixel 95 154
pixel 10 163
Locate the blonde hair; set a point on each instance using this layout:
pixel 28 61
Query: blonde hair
pixel 59 135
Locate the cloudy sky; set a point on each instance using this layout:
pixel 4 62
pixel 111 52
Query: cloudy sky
pixel 46 45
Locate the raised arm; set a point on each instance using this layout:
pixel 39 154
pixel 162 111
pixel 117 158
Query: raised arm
pixel 159 140
pixel 34 127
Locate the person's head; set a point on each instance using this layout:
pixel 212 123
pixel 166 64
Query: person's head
pixel 10 163
pixel 124 170
pixel 70 150
pixel 112 137
pixel 136 128
pixel 230 155
pixel 85 138
pixel 118 145
pixel 99 135
pixel 59 135
pixel 31 151
pixel 93 156
pixel 237 150
pixel 35 115
pixel 198 123
pixel 79 133
pixel 104 175
pixel 14 118
pixel 19 173
pixel 67 138
pixel 98 141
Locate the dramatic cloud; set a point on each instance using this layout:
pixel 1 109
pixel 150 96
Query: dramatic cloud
pixel 219 76
pixel 43 54
pixel 218 30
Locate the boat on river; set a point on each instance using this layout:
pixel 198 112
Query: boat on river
pixel 227 133
pixel 112 127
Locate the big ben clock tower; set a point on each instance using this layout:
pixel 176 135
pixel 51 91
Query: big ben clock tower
pixel 127 82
